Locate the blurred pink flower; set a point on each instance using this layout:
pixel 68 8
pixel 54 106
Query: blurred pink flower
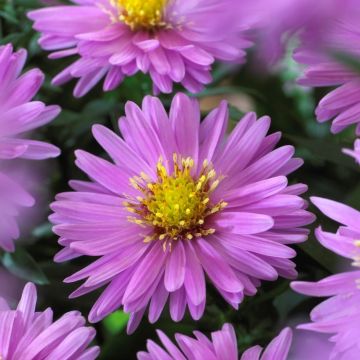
pixel 19 115
pixel 323 67
pixel 11 286
pixel 172 40
pixel 31 335
pixel 310 346
pixel 279 22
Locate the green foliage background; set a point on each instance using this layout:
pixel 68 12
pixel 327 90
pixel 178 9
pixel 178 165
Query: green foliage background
pixel 327 172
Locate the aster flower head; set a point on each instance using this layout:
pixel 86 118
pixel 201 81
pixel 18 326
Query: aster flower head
pixel 222 346
pixel 19 115
pixel 340 314
pixel 181 200
pixel 324 68
pixel 171 40
pixel 29 335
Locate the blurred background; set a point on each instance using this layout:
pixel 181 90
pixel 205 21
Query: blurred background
pixel 326 171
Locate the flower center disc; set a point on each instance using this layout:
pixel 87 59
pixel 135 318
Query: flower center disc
pixel 177 204
pixel 142 14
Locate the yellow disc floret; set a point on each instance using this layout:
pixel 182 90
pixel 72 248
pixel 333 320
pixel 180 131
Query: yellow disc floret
pixel 178 203
pixel 142 14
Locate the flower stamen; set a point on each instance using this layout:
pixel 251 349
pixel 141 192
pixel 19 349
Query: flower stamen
pixel 177 204
pixel 142 14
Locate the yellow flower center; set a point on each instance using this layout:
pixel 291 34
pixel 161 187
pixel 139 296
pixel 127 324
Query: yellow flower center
pixel 178 203
pixel 142 14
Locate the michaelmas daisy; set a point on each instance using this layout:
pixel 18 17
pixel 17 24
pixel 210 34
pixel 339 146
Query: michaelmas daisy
pixel 172 40
pixel 180 202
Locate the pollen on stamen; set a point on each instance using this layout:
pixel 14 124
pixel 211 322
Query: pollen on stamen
pixel 177 203
pixel 140 14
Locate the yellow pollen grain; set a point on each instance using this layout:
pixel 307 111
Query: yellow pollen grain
pixel 177 203
pixel 142 14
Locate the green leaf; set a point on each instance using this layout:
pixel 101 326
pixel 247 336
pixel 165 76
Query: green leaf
pixel 21 264
pixel 286 302
pixel 325 149
pixel 223 90
pixel 321 255
pixel 9 17
pixel 42 230
pixel 235 113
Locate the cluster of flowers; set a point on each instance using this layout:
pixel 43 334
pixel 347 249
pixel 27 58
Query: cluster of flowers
pixel 180 201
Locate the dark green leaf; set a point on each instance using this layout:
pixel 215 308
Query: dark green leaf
pixel 21 264
pixel 325 149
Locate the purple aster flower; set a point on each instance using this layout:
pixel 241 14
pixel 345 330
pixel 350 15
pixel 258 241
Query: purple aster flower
pixel 29 335
pixel 19 115
pixel 324 69
pixel 279 23
pixel 181 200
pixel 222 346
pixel 172 40
pixel 340 314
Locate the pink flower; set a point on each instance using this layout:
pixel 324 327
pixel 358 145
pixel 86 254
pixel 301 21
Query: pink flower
pixel 181 200
pixel 280 22
pixel 19 115
pixel 324 69
pixel 172 40
pixel 29 335
pixel 222 346
pixel 340 314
